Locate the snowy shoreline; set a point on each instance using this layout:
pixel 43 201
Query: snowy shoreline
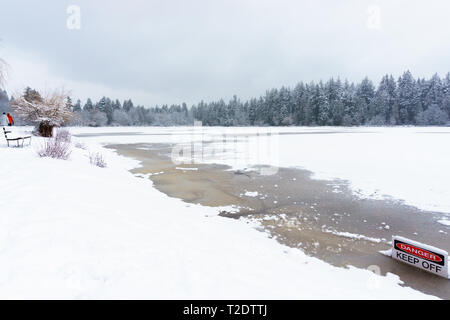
pixel 72 230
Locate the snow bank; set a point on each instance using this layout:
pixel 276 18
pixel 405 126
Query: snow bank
pixel 72 230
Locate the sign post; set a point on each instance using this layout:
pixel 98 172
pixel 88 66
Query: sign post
pixel 421 256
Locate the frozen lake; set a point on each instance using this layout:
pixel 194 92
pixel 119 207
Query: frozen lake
pixel 409 164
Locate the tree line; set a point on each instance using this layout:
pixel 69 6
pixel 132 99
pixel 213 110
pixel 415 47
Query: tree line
pixel 402 101
pixel 405 101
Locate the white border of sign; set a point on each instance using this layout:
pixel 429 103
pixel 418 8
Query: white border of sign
pixel 434 260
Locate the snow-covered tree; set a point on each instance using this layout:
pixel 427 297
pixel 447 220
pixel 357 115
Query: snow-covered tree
pixel 69 103
pixel 45 111
pixel 121 118
pixel 321 106
pixel 77 106
pixel 434 116
pixel 385 101
pixel 434 91
pixel 88 106
pixel 446 93
pixel 94 118
pixel 128 105
pixel 408 99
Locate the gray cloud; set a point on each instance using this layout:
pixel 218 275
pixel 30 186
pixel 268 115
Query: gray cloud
pixel 174 51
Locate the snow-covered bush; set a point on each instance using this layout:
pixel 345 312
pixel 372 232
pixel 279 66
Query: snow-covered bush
pixel 55 148
pixel 97 159
pixel 46 111
pixel 63 135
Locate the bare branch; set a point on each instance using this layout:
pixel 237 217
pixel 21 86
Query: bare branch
pixel 3 72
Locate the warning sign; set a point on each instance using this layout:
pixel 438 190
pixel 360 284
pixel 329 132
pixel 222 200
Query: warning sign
pixel 420 255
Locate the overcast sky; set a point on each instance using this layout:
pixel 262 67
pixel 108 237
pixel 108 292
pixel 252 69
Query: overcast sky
pixel 170 51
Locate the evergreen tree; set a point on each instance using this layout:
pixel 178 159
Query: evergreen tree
pixel 446 94
pixel 408 102
pixel 128 105
pixel 434 92
pixel 88 105
pixel 69 103
pixel 77 106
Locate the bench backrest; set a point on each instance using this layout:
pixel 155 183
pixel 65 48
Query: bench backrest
pixel 6 132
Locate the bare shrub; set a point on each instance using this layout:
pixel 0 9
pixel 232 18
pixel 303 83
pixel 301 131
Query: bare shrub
pixel 63 135
pixel 55 148
pixel 97 159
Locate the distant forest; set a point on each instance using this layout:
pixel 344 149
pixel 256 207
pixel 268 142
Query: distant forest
pixel 405 101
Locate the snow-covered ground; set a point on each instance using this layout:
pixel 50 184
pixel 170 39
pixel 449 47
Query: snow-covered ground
pixel 72 230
